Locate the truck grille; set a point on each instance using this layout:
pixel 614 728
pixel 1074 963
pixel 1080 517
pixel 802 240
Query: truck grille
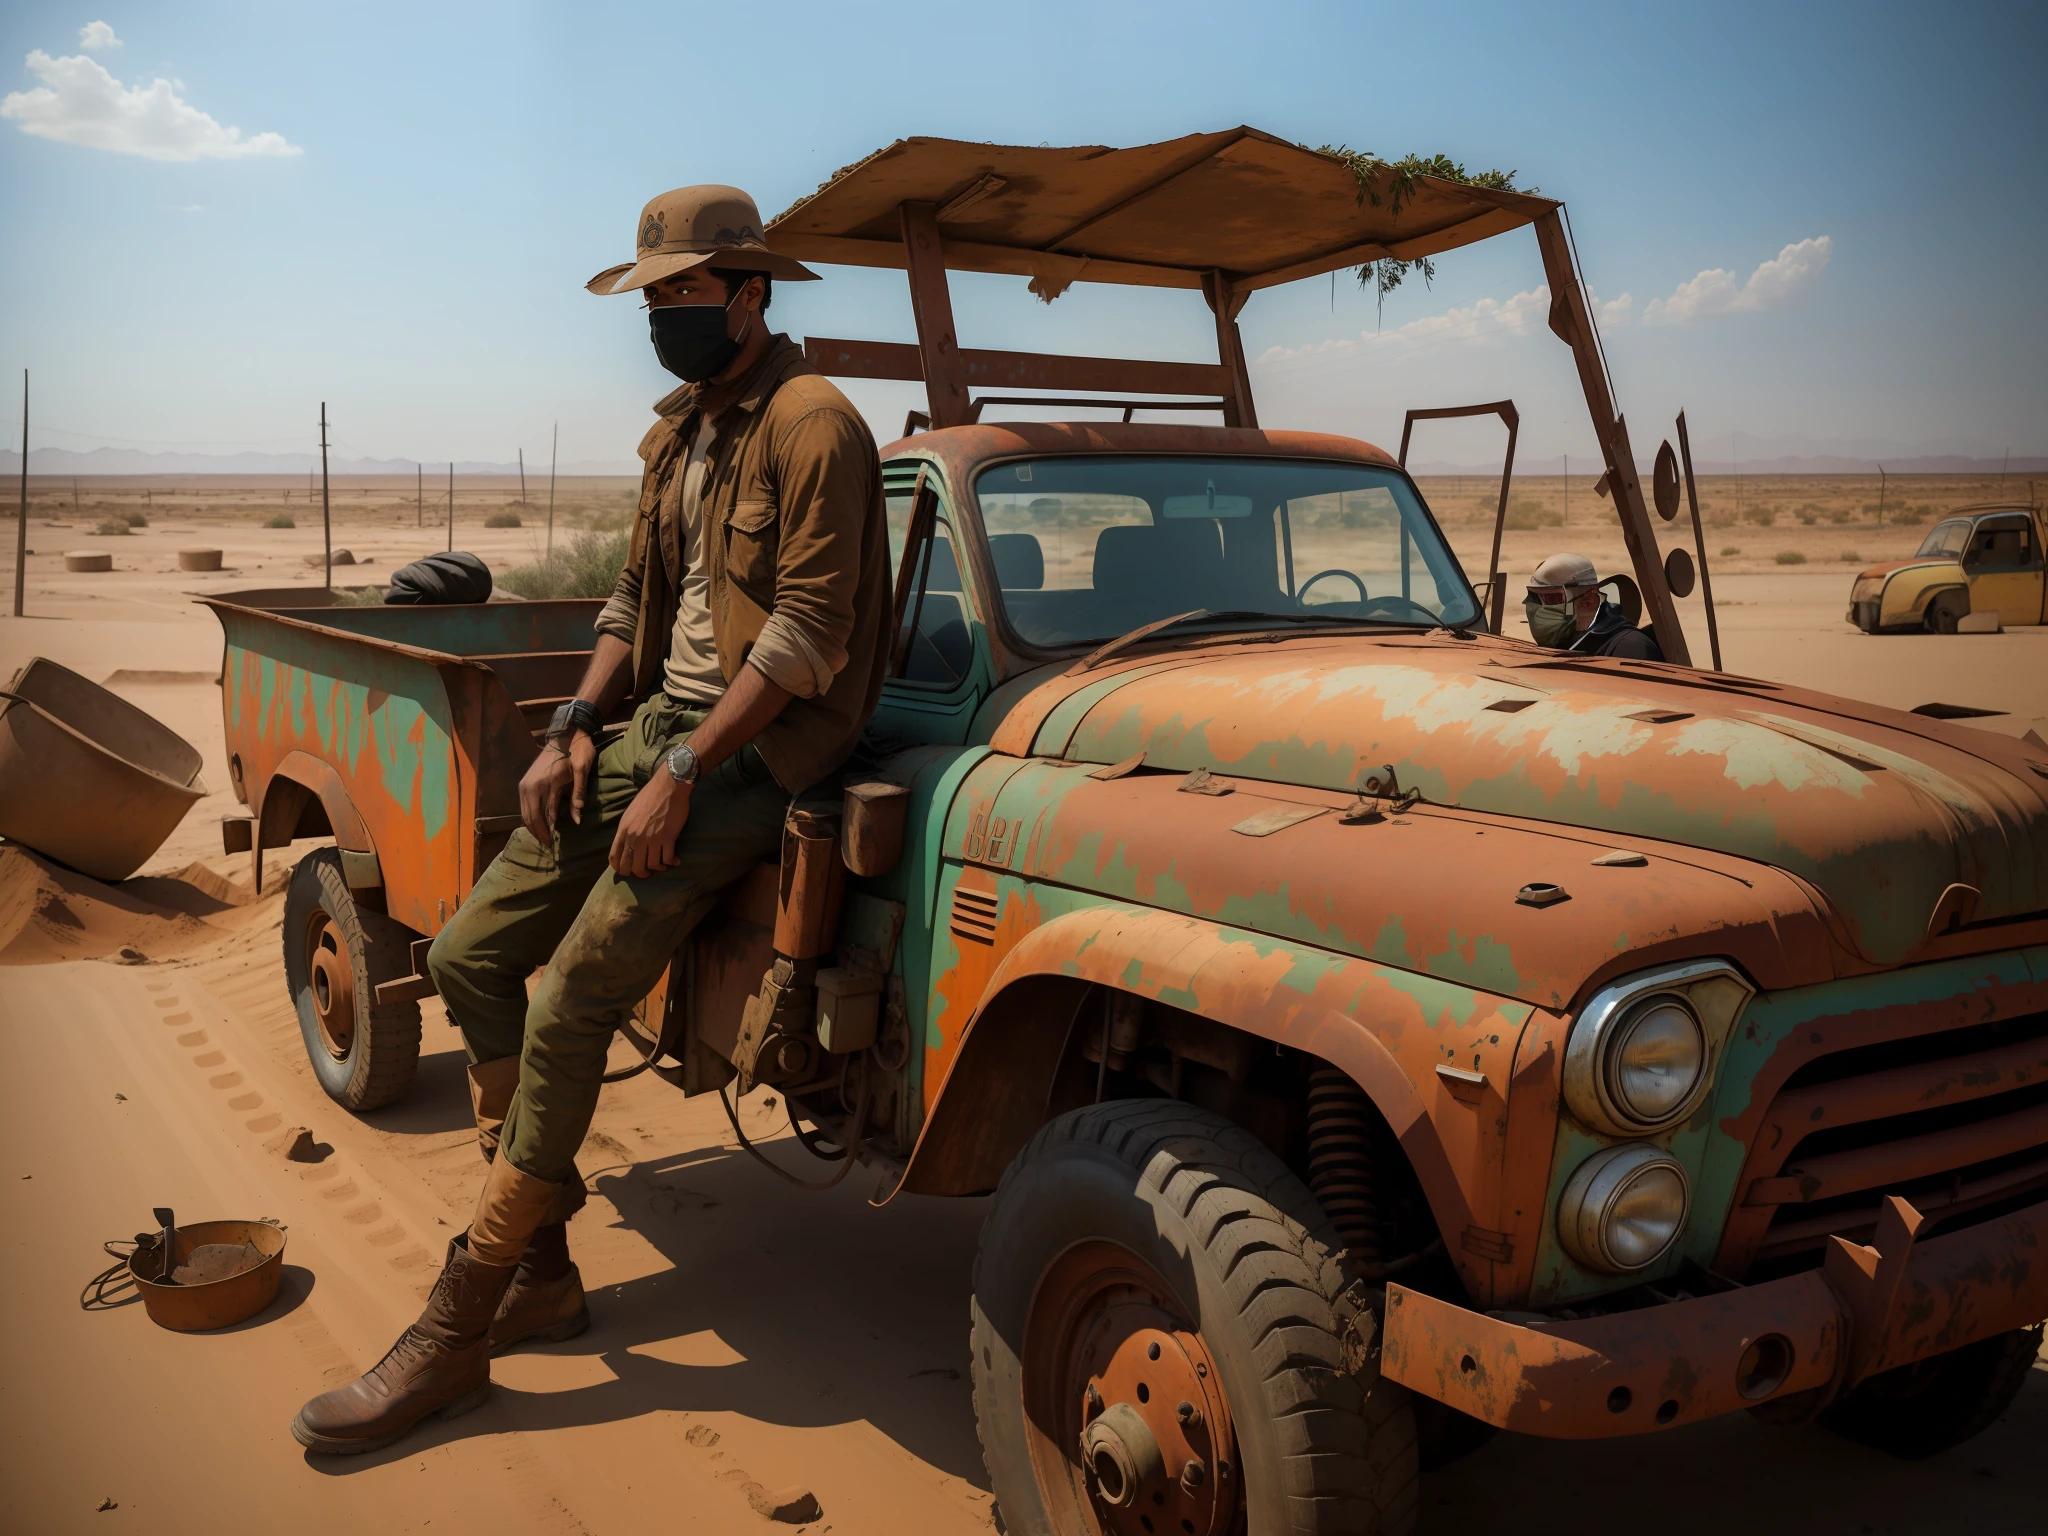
pixel 1955 1122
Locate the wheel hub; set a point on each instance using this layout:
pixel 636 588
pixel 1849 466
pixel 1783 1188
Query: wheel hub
pixel 1126 1395
pixel 331 974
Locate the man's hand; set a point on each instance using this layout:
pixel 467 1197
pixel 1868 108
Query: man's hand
pixel 645 843
pixel 554 774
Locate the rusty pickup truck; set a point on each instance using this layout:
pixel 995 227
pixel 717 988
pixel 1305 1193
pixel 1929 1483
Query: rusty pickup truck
pixel 1374 1030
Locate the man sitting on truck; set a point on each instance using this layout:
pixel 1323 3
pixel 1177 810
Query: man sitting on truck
pixel 1567 613
pixel 752 618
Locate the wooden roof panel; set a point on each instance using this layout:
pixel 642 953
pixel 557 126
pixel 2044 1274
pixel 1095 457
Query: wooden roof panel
pixel 1258 207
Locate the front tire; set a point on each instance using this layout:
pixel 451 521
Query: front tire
pixel 1933 1405
pixel 1163 1344
pixel 335 953
pixel 1946 611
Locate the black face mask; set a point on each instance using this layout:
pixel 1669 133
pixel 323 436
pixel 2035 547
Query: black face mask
pixel 690 339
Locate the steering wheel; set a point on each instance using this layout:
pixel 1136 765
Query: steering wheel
pixel 1401 610
pixel 1302 592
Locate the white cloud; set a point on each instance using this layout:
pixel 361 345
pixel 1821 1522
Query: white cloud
pixel 80 103
pixel 1525 312
pixel 1715 291
pixel 1612 314
pixel 95 35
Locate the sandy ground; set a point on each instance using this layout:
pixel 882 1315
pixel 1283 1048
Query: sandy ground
pixel 745 1331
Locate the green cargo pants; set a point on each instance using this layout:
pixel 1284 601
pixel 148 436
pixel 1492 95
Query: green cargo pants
pixel 603 937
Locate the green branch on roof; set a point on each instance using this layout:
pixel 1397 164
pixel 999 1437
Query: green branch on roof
pixel 1385 275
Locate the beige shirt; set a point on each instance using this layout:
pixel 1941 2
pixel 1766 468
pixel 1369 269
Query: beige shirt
pixel 691 672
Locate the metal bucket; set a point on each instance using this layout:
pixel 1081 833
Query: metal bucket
pixel 85 776
pixel 217 1303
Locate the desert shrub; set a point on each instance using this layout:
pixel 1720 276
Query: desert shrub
pixel 587 566
pixel 1842 515
pixel 1808 518
pixel 1762 516
pixel 1730 549
pixel 1526 514
pixel 135 519
pixel 1849 557
pixel 114 525
pixel 1790 557
pixel 280 520
pixel 358 597
pixel 502 520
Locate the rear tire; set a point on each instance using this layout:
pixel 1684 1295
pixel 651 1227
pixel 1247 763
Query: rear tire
pixel 335 954
pixel 1931 1406
pixel 1148 1243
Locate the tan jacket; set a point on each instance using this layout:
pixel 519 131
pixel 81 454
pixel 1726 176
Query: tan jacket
pixel 795 543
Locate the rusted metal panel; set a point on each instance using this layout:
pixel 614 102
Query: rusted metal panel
pixel 1881 816
pixel 986 369
pixel 1661 1366
pixel 1625 1374
pixel 412 752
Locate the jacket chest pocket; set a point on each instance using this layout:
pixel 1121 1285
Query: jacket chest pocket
pixel 752 535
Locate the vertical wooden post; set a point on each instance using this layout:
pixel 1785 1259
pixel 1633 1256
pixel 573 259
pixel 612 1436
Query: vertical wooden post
pixel 451 504
pixel 21 527
pixel 554 453
pixel 1571 319
pixel 522 477
pixel 419 492
pixel 1225 301
pixel 326 518
pixel 945 372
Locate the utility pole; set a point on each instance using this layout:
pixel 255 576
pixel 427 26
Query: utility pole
pixel 419 491
pixel 2003 465
pixel 1880 498
pixel 21 528
pixel 451 504
pixel 326 515
pixel 554 452
pixel 74 495
pixel 522 477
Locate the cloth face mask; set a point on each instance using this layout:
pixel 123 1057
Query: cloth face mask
pixel 690 339
pixel 1550 625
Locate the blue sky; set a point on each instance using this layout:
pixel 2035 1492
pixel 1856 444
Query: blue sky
pixel 411 244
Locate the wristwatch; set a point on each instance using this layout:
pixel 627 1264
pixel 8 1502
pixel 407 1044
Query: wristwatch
pixel 682 764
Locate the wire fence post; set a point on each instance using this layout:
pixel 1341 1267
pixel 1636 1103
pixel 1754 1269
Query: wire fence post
pixel 554 453
pixel 419 491
pixel 522 477
pixel 21 527
pixel 451 504
pixel 326 513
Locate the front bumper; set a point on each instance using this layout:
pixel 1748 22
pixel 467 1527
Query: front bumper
pixel 1866 1310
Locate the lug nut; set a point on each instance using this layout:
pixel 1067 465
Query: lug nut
pixel 1192 1476
pixel 1188 1414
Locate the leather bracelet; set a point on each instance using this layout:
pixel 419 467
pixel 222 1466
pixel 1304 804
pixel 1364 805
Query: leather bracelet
pixel 576 715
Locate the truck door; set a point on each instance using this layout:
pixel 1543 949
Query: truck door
pixel 2003 565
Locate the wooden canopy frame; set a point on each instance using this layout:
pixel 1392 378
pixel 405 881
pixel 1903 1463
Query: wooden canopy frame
pixel 1222 213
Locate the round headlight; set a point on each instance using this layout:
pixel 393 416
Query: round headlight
pixel 1655 1059
pixel 1623 1208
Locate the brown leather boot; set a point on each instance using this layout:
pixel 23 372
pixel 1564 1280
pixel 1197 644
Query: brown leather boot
pixel 441 1365
pixel 546 1297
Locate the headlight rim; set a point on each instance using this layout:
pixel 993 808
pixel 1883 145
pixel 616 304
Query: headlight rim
pixel 1594 1188
pixel 1584 1074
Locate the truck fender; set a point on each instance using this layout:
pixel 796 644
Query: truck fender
pixel 305 797
pixel 994 1095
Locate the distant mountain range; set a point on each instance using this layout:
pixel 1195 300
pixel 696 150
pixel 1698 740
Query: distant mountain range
pixel 1813 464
pixel 60 462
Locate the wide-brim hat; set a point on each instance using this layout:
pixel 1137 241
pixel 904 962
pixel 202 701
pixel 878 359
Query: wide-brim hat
pixel 697 227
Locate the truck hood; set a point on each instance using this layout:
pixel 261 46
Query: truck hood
pixel 1903 825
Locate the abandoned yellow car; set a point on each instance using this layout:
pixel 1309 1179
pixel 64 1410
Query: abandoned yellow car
pixel 1983 560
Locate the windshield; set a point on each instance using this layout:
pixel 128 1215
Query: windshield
pixel 1086 549
pixel 1946 538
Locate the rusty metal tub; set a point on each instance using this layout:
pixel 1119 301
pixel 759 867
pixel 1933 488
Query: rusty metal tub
pixel 86 777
